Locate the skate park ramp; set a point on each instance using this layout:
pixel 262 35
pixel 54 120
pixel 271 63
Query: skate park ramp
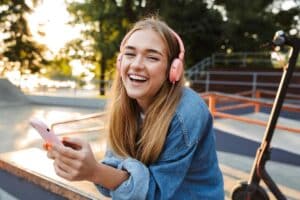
pixel 10 94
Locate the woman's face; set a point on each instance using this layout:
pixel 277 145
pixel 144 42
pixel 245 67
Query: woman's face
pixel 143 66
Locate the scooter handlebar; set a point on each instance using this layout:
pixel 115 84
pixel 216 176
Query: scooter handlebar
pixel 280 39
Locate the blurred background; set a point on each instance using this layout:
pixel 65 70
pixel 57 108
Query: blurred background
pixel 69 47
pixel 57 62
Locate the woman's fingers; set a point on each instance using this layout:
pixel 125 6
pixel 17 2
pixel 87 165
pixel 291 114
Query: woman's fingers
pixel 66 151
pixel 47 146
pixel 69 169
pixel 50 155
pixel 61 172
pixel 74 143
pixel 73 164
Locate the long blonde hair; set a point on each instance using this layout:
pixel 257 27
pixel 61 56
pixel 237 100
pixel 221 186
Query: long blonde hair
pixel 127 138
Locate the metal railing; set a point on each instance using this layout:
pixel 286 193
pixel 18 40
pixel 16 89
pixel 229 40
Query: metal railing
pixel 210 78
pixel 79 128
pixel 241 59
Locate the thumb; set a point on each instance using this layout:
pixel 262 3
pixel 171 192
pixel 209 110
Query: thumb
pixel 74 143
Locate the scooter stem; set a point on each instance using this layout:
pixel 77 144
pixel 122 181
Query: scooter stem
pixel 258 171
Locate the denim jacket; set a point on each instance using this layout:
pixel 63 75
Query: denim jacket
pixel 187 167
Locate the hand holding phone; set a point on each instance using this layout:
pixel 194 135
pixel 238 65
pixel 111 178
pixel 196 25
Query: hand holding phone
pixel 47 134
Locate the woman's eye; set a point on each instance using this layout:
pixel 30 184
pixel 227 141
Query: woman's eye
pixel 129 54
pixel 153 58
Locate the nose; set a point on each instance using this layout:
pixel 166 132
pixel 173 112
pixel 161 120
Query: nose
pixel 137 62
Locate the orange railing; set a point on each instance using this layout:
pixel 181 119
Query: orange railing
pixel 216 103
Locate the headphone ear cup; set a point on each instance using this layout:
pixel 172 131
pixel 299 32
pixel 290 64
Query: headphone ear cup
pixel 119 60
pixel 176 70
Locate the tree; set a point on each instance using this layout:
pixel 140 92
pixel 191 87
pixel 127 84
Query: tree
pixel 101 28
pixel 20 50
pixel 201 28
pixel 107 21
pixel 59 68
pixel 251 23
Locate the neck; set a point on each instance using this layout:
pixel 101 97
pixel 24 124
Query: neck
pixel 143 105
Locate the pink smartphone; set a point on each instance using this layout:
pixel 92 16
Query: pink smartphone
pixel 47 134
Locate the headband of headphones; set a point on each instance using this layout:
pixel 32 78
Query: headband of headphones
pixel 181 46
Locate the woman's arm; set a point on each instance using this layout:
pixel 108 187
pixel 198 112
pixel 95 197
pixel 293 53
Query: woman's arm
pixel 109 177
pixel 80 164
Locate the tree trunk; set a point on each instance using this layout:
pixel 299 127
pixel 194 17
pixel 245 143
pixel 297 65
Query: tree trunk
pixel 102 76
pixel 128 10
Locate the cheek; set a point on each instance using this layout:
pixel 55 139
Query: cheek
pixel 162 72
pixel 160 76
pixel 122 71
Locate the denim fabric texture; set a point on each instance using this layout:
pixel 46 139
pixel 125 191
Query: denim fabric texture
pixel 187 168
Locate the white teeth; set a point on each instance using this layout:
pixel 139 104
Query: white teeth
pixel 137 77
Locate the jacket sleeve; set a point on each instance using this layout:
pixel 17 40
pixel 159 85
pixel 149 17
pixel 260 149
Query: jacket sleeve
pixel 158 181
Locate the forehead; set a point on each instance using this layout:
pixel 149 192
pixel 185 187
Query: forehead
pixel 146 39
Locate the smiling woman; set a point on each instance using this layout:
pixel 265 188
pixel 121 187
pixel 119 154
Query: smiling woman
pixel 49 26
pixel 160 136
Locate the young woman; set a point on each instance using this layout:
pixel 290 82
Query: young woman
pixel 161 140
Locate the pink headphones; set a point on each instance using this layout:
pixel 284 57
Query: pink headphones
pixel 176 69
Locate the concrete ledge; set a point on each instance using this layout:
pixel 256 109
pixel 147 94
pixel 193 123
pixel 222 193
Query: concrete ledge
pixel 32 166
pixel 68 101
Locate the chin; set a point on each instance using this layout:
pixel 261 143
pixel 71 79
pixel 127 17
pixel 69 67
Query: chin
pixel 135 95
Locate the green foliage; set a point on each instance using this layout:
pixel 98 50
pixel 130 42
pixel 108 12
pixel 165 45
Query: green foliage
pixel 59 69
pixel 251 23
pixel 19 48
pixel 200 28
pixel 245 26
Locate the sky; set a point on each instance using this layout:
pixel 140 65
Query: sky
pixel 51 17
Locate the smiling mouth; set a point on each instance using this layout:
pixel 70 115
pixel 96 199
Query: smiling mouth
pixel 137 78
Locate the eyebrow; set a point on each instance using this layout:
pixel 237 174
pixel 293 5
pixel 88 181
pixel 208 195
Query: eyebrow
pixel 128 47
